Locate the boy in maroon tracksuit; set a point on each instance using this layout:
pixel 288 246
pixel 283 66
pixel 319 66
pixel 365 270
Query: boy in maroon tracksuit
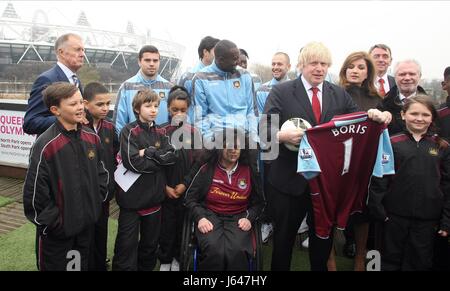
pixel 96 103
pixel 65 184
pixel 145 150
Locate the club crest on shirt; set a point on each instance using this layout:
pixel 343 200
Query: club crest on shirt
pixel 162 95
pixel 433 151
pixel 157 144
pixel 306 154
pixel 242 184
pixel 91 154
pixel 385 158
pixel 237 84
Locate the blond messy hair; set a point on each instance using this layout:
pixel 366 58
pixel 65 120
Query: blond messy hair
pixel 314 51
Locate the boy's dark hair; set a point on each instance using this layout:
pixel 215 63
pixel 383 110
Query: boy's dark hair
pixel 148 49
pixel 144 96
pixel 207 43
pixel 446 72
pixel 92 89
pixel 179 93
pixel 54 93
pixel 243 52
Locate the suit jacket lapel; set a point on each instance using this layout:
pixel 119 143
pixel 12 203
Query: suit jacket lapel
pixel 327 96
pixel 62 77
pixel 302 97
pixel 60 74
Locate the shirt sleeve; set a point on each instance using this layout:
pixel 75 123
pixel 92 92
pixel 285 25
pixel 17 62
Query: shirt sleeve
pixel 307 163
pixel 384 163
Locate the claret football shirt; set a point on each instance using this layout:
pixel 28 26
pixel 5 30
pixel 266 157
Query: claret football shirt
pixel 338 158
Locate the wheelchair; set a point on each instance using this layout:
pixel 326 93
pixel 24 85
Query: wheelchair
pixel 190 253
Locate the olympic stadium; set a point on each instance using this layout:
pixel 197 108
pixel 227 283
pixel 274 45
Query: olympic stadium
pixel 27 49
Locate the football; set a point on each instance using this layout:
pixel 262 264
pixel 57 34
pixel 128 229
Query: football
pixel 292 123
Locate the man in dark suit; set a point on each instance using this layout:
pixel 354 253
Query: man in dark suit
pixel 317 101
pixel 382 58
pixel 407 76
pixel 69 50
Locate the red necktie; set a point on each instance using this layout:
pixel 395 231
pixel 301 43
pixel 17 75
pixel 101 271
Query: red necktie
pixel 381 89
pixel 316 104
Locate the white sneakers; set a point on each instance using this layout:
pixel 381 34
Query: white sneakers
pixel 174 266
pixel 305 243
pixel 266 232
pixel 303 227
pixel 164 267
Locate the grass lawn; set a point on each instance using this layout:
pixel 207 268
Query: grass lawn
pixel 5 201
pixel 18 251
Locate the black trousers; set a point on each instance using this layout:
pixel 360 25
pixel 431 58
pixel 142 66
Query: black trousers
pixel 97 260
pixel 54 252
pixel 171 230
pixel 136 241
pixel 226 247
pixel 408 244
pixel 441 257
pixel 288 213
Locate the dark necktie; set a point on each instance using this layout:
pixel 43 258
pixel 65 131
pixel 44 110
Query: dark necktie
pixel 76 81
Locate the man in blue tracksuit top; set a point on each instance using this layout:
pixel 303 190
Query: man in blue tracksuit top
pixel 206 57
pixel 147 77
pixel 281 65
pixel 224 96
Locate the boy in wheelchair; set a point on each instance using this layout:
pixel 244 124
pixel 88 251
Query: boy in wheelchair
pixel 225 199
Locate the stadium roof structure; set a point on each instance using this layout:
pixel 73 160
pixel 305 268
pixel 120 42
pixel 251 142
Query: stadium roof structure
pixel 33 41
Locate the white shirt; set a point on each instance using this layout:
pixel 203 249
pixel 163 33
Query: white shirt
pixel 403 97
pixel 310 92
pixel 386 83
pixel 67 72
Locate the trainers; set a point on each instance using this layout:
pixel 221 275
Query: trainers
pixel 164 267
pixel 175 266
pixel 266 232
pixel 303 227
pixel 305 243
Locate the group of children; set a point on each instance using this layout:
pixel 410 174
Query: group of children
pixel 70 182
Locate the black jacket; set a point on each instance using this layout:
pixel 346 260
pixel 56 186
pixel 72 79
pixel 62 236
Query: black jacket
pixel 289 99
pixel 110 143
pixel 420 187
pixel 66 181
pixel 444 120
pixel 197 191
pixel 148 190
pixel 393 104
pixel 184 139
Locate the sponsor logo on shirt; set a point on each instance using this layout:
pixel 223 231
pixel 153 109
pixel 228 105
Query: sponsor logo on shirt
pixel 306 154
pixel 385 158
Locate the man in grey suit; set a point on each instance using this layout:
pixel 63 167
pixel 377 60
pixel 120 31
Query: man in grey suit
pixel 317 101
pixel 69 50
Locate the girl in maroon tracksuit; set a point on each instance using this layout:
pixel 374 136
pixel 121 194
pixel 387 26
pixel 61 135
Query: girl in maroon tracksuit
pixel 414 203
pixel 225 199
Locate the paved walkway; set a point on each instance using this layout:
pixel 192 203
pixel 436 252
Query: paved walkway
pixel 12 216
